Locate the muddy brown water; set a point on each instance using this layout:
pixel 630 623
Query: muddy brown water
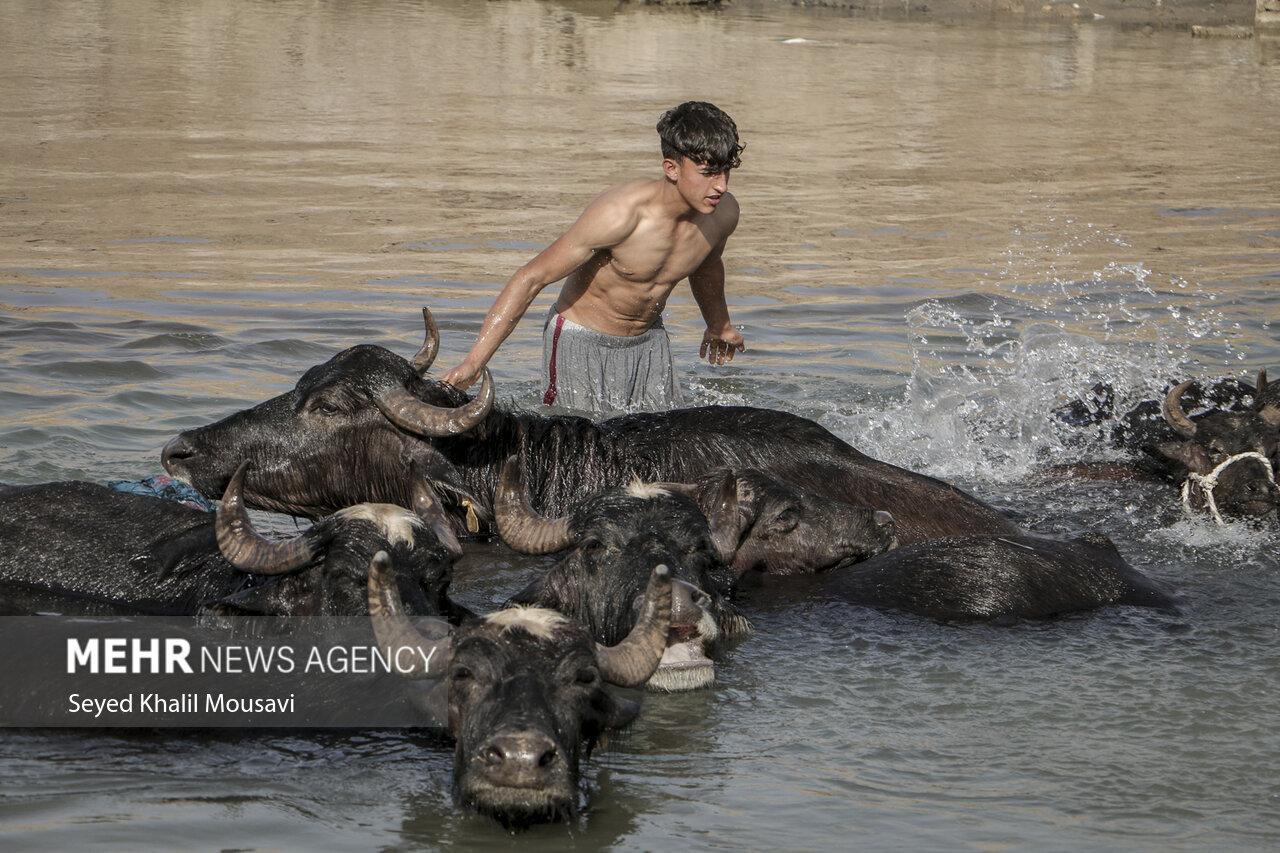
pixel 948 229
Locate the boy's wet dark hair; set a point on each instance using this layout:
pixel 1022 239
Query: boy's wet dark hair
pixel 701 132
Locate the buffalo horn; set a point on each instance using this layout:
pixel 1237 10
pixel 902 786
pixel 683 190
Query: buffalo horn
pixel 248 550
pixel 519 526
pixel 427 506
pixel 409 413
pixel 430 344
pixel 636 658
pixel 393 629
pixel 1173 413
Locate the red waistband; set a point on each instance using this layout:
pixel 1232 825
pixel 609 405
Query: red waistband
pixel 550 397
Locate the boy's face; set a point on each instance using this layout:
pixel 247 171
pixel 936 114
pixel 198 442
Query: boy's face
pixel 701 185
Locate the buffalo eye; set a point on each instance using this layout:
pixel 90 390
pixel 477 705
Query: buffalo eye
pixel 786 521
pixel 460 673
pixel 587 676
pixel 323 407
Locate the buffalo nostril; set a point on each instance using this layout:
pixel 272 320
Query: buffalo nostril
pixel 174 451
pixel 511 759
pixel 687 602
pixel 494 755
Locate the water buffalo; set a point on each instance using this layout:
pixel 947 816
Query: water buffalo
pixel 612 538
pixel 523 692
pixel 351 428
pixel 76 548
pixel 991 578
pixel 1223 454
pixel 1225 458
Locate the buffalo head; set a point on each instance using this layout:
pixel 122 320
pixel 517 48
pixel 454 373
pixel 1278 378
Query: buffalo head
pixel 523 692
pixel 609 541
pixel 347 433
pixel 780 528
pixel 1227 455
pixel 318 578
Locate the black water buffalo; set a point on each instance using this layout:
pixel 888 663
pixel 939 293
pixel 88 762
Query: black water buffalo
pixel 77 548
pixel 523 693
pixel 610 540
pixel 352 427
pixel 1223 454
pixel 1223 457
pixel 992 578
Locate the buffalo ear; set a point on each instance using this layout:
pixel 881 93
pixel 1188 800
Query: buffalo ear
pixel 1189 454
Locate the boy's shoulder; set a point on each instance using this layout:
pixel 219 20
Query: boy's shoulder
pixel 637 191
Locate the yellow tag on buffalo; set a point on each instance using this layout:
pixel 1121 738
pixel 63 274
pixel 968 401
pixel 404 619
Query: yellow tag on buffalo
pixel 473 523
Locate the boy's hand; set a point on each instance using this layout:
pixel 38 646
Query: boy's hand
pixel 461 377
pixel 718 347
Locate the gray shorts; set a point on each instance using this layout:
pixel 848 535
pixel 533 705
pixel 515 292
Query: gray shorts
pixel 592 371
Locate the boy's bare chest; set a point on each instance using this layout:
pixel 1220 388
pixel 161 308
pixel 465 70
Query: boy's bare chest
pixel 660 253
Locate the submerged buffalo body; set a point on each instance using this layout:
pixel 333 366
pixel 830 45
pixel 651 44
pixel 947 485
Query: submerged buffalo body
pixel 352 428
pixel 523 692
pixel 998 578
pixel 76 547
pixel 87 543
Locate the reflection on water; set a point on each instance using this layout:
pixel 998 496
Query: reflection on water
pixel 947 231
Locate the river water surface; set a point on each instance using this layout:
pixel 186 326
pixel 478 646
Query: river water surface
pixel 947 231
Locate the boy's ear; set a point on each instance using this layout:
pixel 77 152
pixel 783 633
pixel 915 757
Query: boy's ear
pixel 670 168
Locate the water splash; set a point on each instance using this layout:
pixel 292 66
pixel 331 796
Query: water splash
pixel 992 374
pixel 1220 547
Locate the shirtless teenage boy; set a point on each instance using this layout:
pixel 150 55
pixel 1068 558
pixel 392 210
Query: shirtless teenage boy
pixel 604 344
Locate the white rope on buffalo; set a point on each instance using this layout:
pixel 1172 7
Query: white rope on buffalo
pixel 1208 482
